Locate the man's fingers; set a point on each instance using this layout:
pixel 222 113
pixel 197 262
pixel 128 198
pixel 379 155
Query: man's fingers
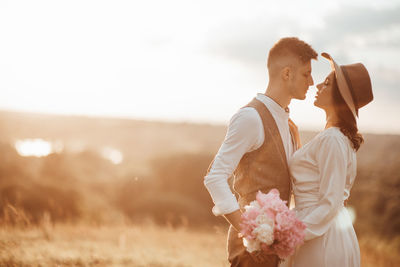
pixel 263 257
pixel 257 256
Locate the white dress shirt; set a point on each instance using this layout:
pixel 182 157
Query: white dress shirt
pixel 245 134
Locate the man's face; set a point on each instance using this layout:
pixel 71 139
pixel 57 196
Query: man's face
pixel 301 80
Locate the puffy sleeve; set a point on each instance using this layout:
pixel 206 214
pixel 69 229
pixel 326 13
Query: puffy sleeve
pixel 244 135
pixel 331 159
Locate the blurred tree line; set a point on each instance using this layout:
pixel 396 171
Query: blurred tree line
pixel 83 186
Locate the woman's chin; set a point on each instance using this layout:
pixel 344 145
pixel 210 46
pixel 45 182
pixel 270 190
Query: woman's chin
pixel 318 105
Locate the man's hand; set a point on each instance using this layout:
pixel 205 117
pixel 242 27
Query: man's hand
pixel 258 256
pixel 234 219
pixel 262 257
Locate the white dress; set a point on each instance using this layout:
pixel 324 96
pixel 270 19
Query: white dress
pixel 323 172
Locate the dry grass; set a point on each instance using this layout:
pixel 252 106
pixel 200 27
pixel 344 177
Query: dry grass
pixel 377 253
pixel 144 245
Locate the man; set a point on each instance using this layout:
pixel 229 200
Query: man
pixel 259 141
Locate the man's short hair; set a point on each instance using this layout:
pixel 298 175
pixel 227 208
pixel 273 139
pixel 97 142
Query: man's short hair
pixel 291 46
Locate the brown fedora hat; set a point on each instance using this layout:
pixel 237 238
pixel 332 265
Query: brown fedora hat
pixel 354 84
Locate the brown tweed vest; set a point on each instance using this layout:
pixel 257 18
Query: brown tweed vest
pixel 262 169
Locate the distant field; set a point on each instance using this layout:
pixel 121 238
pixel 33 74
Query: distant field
pixel 146 245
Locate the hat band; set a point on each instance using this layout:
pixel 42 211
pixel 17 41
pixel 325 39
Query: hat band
pixel 350 85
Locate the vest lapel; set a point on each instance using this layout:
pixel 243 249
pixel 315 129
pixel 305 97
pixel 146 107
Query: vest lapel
pixel 273 129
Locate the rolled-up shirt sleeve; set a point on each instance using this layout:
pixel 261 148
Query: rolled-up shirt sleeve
pixel 245 133
pixel 332 164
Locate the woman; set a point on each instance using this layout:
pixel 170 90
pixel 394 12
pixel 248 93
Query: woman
pixel 324 170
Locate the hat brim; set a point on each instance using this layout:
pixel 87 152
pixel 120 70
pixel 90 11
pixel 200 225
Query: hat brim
pixel 342 84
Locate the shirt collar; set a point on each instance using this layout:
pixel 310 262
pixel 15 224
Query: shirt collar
pixel 273 106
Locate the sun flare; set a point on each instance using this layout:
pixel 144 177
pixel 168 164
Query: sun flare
pixel 33 147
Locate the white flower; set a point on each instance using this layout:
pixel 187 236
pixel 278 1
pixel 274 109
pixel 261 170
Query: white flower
pixel 252 205
pixel 251 245
pixel 264 233
pixel 264 219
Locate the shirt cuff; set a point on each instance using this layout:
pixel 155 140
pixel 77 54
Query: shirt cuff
pixel 228 206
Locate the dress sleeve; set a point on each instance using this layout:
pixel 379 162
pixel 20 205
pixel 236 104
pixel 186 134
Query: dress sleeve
pixel 331 160
pixel 243 135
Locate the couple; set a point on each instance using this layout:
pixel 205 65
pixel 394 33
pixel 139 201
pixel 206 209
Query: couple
pixel 262 150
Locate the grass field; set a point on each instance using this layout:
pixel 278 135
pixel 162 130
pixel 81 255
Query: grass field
pixel 145 245
pixel 67 245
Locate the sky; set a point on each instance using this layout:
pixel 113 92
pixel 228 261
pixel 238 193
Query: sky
pixel 190 61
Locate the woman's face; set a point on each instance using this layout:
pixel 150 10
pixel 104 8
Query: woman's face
pixel 324 97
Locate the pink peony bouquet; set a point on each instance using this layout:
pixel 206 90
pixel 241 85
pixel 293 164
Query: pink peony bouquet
pixel 268 225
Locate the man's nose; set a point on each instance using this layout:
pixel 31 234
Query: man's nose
pixel 311 81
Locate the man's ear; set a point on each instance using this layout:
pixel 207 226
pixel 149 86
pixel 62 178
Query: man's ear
pixel 285 73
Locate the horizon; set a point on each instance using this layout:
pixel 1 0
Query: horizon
pixel 161 121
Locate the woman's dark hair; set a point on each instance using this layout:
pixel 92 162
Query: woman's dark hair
pixel 347 122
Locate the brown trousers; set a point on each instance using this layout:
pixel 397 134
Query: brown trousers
pixel 245 260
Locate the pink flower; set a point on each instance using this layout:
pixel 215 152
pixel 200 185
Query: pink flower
pixel 248 222
pixel 285 220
